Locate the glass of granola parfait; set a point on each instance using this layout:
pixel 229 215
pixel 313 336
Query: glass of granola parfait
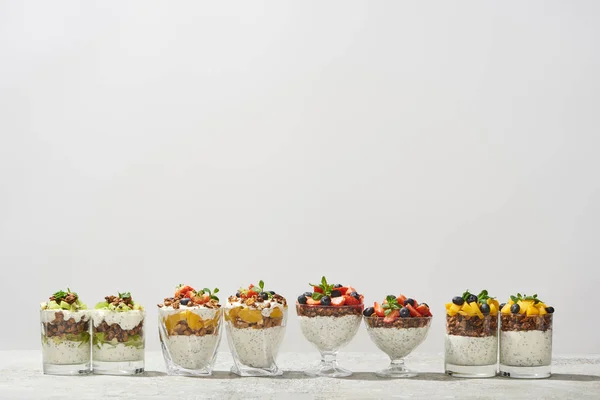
pixel 66 345
pixel 397 326
pixel 472 336
pixel 330 316
pixel 189 325
pixel 118 336
pixel 526 337
pixel 255 319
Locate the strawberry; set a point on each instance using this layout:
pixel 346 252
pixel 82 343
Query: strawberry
pixel 338 301
pixel 312 302
pixel 391 317
pixel 343 290
pixel 317 289
pixel 413 312
pixel 379 310
pixel 251 293
pixel 351 301
pixel 423 310
pixel 183 290
pixel 401 299
pixel 189 294
pixel 349 290
pixel 205 298
pixel 197 300
pixel 416 304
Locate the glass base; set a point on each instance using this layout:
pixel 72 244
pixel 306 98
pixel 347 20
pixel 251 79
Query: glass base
pixel 180 371
pixel 67 369
pixel 471 371
pixel 118 368
pixel 525 372
pixel 328 369
pixel 250 371
pixel 396 369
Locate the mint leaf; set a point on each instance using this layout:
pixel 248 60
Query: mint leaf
pixel 317 296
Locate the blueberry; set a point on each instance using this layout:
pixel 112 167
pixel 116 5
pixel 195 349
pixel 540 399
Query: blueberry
pixel 404 313
pixel 237 294
pixel 264 295
pixel 336 293
pixel 271 292
pixel 368 311
pixel 325 301
pixel 515 309
pixel 308 294
pixel 550 310
pixel 409 301
pixel 355 295
pixel 471 298
pixel 502 305
pixel 459 301
pixel 184 302
pixel 337 286
pixel 485 308
pixel 302 299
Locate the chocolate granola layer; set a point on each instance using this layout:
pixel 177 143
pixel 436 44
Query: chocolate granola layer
pixel 61 327
pixel 522 322
pixel 472 325
pixel 328 311
pixel 400 323
pixel 115 331
pixel 266 322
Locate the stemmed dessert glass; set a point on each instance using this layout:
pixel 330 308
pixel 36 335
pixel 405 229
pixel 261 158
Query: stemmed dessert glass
pixel 397 339
pixel 329 329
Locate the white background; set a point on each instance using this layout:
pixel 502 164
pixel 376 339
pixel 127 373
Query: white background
pixel 420 147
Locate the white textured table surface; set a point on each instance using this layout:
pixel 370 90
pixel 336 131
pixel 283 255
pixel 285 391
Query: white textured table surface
pixel 21 378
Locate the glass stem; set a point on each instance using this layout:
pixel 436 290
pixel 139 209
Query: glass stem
pixel 397 365
pixel 329 358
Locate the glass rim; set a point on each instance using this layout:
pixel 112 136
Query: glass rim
pixel 405 318
pixel 329 306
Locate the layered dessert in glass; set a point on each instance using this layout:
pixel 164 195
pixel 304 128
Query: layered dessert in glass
pixel 526 337
pixel 118 336
pixel 66 347
pixel 330 316
pixel 189 325
pixel 472 336
pixel 397 326
pixel 255 319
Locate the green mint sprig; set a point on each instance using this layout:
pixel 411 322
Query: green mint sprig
pixel 391 305
pixel 482 297
pixel 211 294
pixel 325 287
pixel 523 296
pixel 125 295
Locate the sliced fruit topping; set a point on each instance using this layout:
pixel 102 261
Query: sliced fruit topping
pixel 338 301
pixel 526 305
pixel 62 300
pixel 469 305
pixel 379 311
pixel 392 309
pixel 325 294
pixel 186 295
pixel 392 316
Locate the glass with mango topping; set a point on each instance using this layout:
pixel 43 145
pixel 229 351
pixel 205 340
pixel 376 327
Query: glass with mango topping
pixel 526 337
pixel 255 319
pixel 189 326
pixel 65 335
pixel 472 336
pixel 118 336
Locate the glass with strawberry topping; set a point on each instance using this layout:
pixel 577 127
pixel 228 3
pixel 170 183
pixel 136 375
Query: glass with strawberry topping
pixel 66 347
pixel 329 317
pixel 472 336
pixel 526 337
pixel 189 325
pixel 118 336
pixel 255 319
pixel 397 326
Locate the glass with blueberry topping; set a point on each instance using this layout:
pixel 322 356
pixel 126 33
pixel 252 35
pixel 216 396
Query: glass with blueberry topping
pixel 526 337
pixel 255 319
pixel 471 342
pixel 397 326
pixel 329 317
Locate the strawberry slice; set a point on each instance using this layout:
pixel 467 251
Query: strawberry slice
pixel 338 301
pixel 351 301
pixel 401 299
pixel 251 293
pixel 312 302
pixel 317 289
pixel 379 310
pixel 391 317
pixel 413 312
pixel 416 304
pixel 343 290
pixel 350 289
pixel 189 294
pixel 183 290
pixel 423 310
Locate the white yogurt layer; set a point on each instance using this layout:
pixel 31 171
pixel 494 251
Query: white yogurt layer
pixel 330 333
pixel 204 312
pixel 526 348
pixel 397 342
pixel 65 352
pixel 49 315
pixel 192 352
pixel 127 320
pixel 118 353
pixel 471 351
pixel 255 348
